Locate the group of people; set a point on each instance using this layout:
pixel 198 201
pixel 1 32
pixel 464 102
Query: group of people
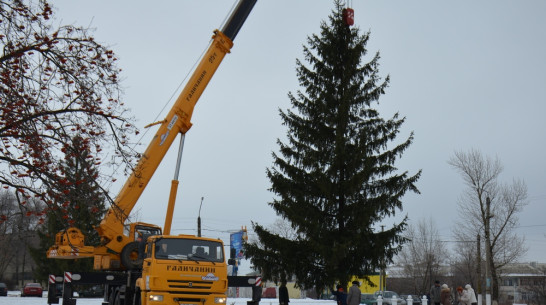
pixel 351 298
pixel 441 295
pixel 342 298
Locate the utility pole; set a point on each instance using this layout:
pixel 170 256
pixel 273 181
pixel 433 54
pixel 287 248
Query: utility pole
pixel 382 280
pixel 199 219
pixel 488 257
pixel 479 268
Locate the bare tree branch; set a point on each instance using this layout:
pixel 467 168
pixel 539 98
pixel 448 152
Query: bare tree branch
pixel 56 84
pixel 421 257
pixel 496 222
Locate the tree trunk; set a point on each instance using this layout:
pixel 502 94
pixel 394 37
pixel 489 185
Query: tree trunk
pixel 494 282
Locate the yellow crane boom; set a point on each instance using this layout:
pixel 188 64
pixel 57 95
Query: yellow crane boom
pixel 70 244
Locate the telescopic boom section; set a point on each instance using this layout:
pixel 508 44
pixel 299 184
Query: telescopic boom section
pixel 177 121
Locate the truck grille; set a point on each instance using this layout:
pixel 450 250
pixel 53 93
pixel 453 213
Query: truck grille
pixel 190 285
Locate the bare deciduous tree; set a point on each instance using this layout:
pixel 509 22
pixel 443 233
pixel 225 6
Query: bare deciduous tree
pixel 465 266
pixel 7 252
pixel 282 228
pixel 56 82
pixel 17 233
pixel 422 256
pixel 490 208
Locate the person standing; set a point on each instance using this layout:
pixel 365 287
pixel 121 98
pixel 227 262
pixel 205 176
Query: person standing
pixel 341 296
pixel 471 294
pixel 283 294
pixel 445 295
pixel 435 293
pixel 460 296
pixel 353 298
pixel 465 298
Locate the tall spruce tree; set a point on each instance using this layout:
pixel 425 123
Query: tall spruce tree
pixel 335 179
pixel 84 206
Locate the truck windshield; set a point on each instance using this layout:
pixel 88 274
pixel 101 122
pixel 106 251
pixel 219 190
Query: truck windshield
pixel 189 249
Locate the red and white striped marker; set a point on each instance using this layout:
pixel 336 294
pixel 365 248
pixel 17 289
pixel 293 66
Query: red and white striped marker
pixel 258 281
pixel 52 279
pixel 68 277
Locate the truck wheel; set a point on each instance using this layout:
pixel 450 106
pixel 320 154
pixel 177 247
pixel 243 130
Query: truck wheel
pixel 129 256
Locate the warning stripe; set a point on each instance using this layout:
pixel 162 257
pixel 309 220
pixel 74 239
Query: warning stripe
pixel 52 279
pixel 68 277
pixel 258 281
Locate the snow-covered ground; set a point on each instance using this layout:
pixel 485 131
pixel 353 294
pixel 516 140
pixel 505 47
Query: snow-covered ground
pixel 14 298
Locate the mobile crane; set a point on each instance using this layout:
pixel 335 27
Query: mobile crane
pixel 168 269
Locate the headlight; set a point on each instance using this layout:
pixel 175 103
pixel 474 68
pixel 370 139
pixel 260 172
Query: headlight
pixel 220 300
pixel 156 297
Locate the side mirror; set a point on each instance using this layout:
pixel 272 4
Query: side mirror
pixel 231 262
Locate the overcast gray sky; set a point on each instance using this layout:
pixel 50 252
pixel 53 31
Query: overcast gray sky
pixel 465 74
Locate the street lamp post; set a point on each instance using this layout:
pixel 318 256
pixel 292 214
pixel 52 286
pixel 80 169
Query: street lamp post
pixel 199 219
